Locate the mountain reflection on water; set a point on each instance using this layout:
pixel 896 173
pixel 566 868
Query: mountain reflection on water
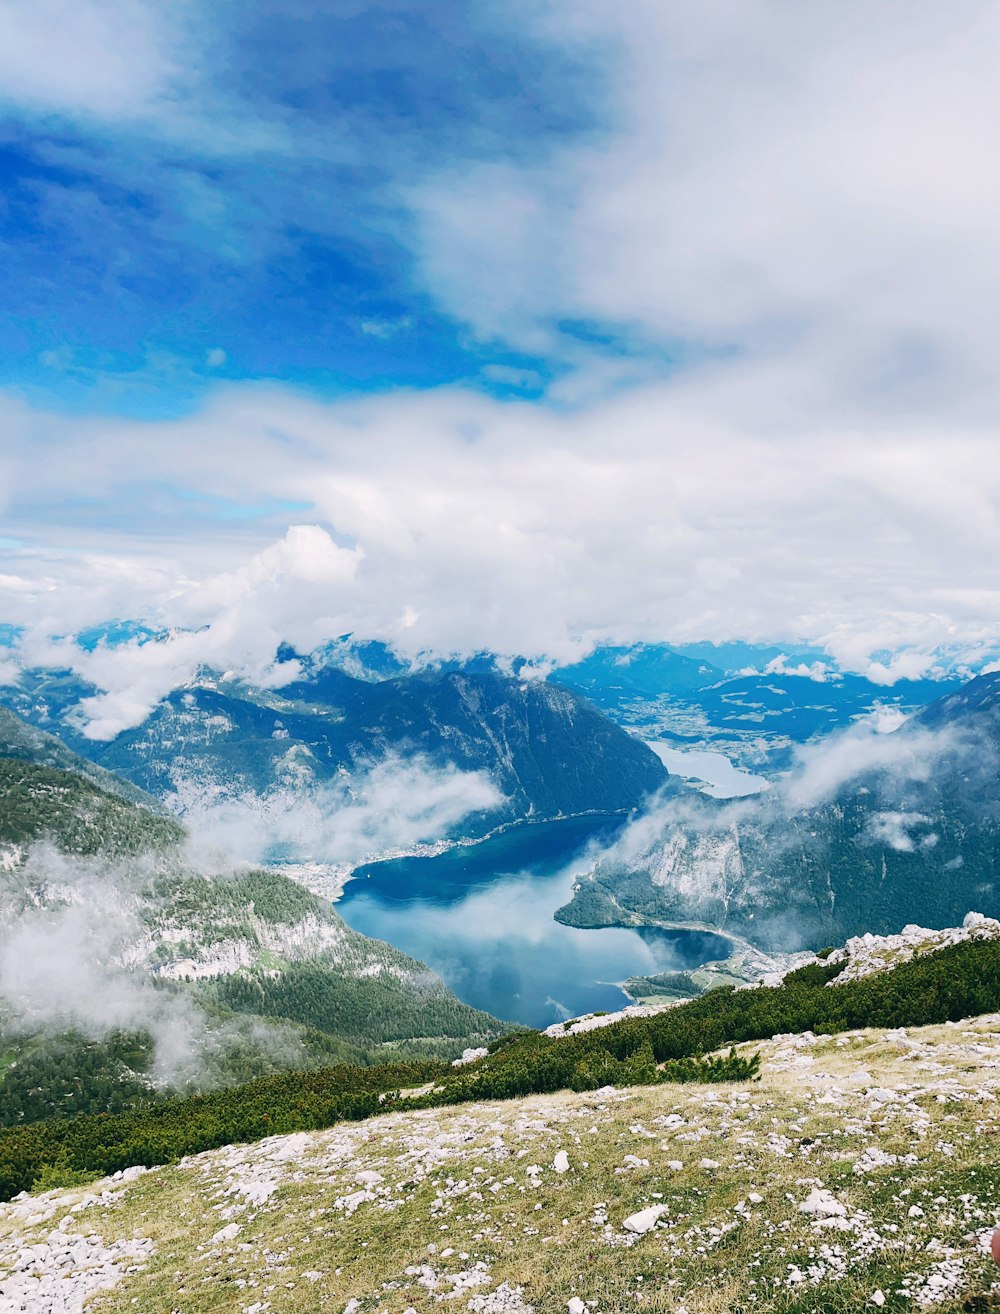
pixel 481 916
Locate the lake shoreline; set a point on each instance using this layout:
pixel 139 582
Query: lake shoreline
pixel 482 916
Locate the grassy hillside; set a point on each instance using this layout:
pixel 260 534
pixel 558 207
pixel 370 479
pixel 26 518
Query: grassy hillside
pixel 854 1175
pixel 672 1045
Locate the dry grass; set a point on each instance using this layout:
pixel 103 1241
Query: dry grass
pixel 456 1214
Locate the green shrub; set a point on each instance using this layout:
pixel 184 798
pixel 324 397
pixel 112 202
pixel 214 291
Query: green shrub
pixel 675 1045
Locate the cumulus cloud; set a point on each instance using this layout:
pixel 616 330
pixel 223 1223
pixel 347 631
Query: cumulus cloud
pixel 817 671
pixel 292 591
pixel 764 285
pixel 446 522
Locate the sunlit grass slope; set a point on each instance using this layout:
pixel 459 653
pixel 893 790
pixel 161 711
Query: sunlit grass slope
pixel 861 1171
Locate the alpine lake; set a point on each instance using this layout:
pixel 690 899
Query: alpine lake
pixel 481 915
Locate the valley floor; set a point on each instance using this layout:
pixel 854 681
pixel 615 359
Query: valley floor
pixel 861 1172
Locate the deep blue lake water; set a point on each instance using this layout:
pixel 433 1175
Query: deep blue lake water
pixel 481 916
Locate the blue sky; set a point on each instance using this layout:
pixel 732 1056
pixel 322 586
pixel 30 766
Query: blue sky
pixel 517 325
pixel 250 221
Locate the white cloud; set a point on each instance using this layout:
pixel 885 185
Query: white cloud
pixel 817 671
pixel 900 830
pixel 63 963
pixel 446 521
pixel 289 592
pixel 695 848
pixel 395 804
pixel 796 204
pixel 95 57
pixel 873 745
pixel 809 182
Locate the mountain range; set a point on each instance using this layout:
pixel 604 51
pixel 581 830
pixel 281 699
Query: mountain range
pixel 883 844
pixel 547 751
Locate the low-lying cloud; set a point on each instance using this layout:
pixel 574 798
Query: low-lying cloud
pixel 687 838
pixel 76 950
pixel 395 804
pixel 820 769
pixel 71 955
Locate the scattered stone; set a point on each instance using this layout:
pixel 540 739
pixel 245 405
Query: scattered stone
pixel 822 1204
pixel 507 1299
pixel 60 1274
pixel 645 1220
pixel 470 1056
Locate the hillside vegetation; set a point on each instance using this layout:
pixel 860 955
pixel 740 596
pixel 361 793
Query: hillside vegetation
pixel 256 974
pixel 76 815
pixel 674 1045
pixel 854 1175
pixel 25 742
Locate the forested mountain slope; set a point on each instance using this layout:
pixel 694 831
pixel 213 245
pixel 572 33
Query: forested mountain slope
pixel 547 751
pixel 123 960
pixel 915 836
pixel 24 742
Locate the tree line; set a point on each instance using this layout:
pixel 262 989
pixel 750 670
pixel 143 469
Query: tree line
pixel 676 1045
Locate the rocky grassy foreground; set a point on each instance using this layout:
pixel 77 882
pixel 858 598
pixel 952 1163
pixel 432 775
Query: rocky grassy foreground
pixel 862 1171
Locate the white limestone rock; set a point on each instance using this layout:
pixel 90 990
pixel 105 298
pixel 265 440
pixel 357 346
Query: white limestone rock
pixel 645 1220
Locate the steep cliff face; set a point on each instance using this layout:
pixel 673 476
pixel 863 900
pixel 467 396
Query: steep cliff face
pixel 976 704
pixel 549 751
